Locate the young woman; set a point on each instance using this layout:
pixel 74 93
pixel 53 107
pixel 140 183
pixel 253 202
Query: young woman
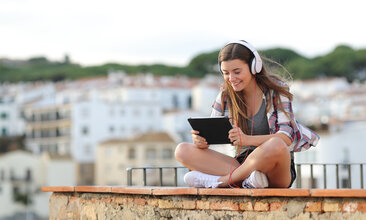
pixel 264 132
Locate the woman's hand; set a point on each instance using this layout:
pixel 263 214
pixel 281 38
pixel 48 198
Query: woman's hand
pixel 199 141
pixel 237 137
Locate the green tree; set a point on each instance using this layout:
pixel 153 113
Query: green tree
pixel 204 63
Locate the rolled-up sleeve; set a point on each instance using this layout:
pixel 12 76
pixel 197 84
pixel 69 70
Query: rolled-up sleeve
pixel 286 124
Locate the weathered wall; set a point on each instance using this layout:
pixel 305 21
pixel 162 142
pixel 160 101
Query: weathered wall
pixel 101 206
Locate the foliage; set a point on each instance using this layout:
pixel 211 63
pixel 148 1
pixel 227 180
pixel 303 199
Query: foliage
pixel 343 61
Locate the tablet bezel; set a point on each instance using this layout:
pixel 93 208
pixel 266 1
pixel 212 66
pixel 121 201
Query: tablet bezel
pixel 214 129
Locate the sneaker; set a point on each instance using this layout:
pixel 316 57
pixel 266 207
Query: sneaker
pixel 199 180
pixel 256 179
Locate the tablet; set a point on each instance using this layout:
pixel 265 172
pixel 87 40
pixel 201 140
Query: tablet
pixel 214 129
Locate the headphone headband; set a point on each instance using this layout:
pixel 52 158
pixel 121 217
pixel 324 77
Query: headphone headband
pixel 256 65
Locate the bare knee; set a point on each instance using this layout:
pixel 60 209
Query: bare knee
pixel 182 151
pixel 276 147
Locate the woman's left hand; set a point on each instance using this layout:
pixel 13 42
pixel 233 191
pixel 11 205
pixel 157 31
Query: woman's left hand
pixel 237 137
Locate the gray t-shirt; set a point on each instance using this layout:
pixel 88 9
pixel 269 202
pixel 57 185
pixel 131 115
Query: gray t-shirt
pixel 260 124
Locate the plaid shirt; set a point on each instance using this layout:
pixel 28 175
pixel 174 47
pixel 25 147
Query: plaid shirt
pixel 302 137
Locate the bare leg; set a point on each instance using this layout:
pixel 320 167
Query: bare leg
pixel 205 160
pixel 271 158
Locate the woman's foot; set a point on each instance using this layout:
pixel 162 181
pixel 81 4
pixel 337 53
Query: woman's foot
pixel 256 179
pixel 198 179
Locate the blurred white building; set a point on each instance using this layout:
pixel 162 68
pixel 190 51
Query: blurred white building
pixel 150 149
pixel 85 112
pixel 22 174
pixel 12 99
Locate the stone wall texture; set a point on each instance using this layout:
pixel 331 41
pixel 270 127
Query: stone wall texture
pixel 95 205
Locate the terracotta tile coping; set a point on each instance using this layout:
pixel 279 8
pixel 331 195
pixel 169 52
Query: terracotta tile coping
pixel 201 191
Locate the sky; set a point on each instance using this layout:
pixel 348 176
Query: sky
pixel 173 32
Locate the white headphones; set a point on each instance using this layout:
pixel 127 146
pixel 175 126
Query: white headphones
pixel 256 63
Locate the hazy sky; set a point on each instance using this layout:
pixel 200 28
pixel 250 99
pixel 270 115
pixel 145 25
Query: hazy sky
pixel 172 32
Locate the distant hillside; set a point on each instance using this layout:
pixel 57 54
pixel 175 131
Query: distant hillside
pixel 343 61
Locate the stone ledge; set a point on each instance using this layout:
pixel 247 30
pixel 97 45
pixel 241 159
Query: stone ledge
pixel 345 193
pixel 107 202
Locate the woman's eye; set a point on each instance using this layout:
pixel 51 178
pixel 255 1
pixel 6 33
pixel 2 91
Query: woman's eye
pixel 237 73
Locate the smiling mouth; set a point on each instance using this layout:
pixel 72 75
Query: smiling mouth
pixel 235 84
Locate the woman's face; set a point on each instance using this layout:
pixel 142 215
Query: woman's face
pixel 237 73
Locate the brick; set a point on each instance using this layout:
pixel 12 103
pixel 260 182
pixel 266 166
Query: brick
pixel 129 200
pixel 119 200
pixel 276 206
pixel 106 200
pixel 361 206
pixel 93 200
pixel 153 202
pixel 73 198
pixel 202 204
pixel 224 205
pixel 166 204
pixel 331 207
pixel 261 206
pixel 189 204
pixel 349 207
pixel 313 207
pixel 140 201
pixel 246 206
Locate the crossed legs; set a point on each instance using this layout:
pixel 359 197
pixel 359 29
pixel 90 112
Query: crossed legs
pixel 271 158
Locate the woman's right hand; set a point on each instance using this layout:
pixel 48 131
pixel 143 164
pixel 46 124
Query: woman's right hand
pixel 199 141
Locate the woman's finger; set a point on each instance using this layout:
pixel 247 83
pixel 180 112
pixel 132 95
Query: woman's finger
pixel 194 132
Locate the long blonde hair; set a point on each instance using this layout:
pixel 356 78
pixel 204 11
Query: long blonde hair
pixel 238 106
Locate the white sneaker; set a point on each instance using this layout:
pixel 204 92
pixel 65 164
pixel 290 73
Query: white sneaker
pixel 256 179
pixel 198 179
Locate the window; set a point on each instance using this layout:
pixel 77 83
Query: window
pixel 111 129
pixel 175 101
pixel 167 153
pixel 150 154
pixel 189 102
pixel 84 130
pixel 28 175
pixel 4 132
pixel 58 116
pixel 131 153
pixel 4 115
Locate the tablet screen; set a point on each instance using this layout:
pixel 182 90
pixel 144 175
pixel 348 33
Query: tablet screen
pixel 214 129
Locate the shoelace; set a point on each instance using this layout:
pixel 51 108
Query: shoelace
pixel 207 182
pixel 247 184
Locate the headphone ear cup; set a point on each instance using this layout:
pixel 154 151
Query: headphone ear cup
pixel 252 66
